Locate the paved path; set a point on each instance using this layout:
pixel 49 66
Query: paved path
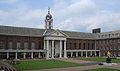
pixel 71 68
pixel 114 66
pixel 87 67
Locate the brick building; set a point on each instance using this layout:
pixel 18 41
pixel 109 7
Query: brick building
pixel 25 43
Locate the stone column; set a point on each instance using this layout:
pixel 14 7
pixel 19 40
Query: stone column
pixel 16 55
pixel 47 54
pixel 7 55
pixel 99 54
pixel 39 56
pixel 86 54
pixel 52 48
pixel 91 53
pixel 95 53
pixel 24 55
pixel 60 49
pixel 65 56
pixel 71 54
pixel 31 55
pixel 76 54
pixel 81 54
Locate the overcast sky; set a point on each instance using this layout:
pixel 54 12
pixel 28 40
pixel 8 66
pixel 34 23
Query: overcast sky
pixel 72 15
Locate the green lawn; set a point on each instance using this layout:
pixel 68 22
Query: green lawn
pixel 43 64
pixel 103 69
pixel 99 59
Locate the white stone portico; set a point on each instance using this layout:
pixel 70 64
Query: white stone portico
pixel 55 45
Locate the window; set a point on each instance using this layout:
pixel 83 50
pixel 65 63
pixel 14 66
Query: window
pixel 102 36
pixel 75 46
pixel 1 45
pixel 105 35
pixel 118 47
pixel 109 35
pixel 84 46
pixel 70 46
pixel 18 45
pixel 32 45
pixel 118 40
pixel 98 36
pixel 79 45
pixel 10 45
pixel 40 45
pixel 88 46
pixel 25 45
pixel 92 46
pixel 116 35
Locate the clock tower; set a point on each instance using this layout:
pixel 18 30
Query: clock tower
pixel 48 20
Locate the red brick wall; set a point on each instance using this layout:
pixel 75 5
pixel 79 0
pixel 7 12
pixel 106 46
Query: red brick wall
pixel 22 39
pixel 83 44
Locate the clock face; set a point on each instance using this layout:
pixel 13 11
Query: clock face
pixel 48 18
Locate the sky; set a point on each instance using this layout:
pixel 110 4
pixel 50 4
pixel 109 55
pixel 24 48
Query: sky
pixel 70 15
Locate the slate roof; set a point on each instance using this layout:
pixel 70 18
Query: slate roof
pixel 8 30
pixel 22 31
pixel 80 35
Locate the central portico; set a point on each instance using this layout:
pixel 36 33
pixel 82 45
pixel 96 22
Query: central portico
pixel 55 44
pixel 56 48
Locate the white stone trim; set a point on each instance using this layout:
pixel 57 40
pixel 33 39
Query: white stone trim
pixel 80 50
pixel 25 50
pixel 54 38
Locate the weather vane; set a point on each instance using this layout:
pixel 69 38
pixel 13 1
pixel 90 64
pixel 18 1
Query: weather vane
pixel 48 9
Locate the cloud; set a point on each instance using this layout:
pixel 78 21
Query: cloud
pixel 8 1
pixel 72 15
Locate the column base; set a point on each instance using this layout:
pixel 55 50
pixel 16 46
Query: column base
pixel 47 58
pixel 65 56
pixel 60 57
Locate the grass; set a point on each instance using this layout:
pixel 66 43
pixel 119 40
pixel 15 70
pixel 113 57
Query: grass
pixel 103 69
pixel 43 64
pixel 99 59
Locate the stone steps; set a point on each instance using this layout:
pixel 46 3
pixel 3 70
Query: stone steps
pixel 6 67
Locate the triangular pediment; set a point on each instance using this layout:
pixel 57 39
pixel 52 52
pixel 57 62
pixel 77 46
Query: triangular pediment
pixel 56 33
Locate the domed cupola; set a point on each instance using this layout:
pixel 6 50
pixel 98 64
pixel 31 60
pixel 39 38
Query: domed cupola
pixel 48 15
pixel 48 20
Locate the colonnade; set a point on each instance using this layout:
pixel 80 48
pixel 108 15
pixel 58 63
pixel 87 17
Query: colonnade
pixel 52 47
pixel 83 53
